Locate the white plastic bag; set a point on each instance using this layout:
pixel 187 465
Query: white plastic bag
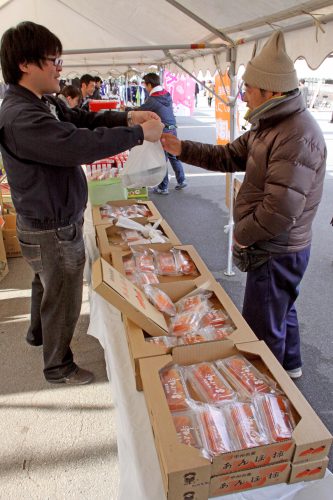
pixel 146 166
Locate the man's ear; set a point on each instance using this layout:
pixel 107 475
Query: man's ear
pixel 24 67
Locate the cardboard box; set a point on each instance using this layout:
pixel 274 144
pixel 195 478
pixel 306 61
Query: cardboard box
pixel 97 219
pixel 109 237
pixel 11 242
pixel 175 458
pixel 139 348
pixel 118 262
pixel 249 479
pixel 3 259
pixel 308 471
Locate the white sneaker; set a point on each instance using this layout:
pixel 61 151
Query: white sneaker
pixel 295 373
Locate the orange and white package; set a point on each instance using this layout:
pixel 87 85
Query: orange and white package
pixel 196 302
pixel 144 260
pixel 130 236
pixel 216 437
pixel 187 428
pixel 204 335
pixel 223 332
pixel 129 264
pixel 165 263
pixel 163 341
pixel 145 278
pixel 160 300
pixel 209 384
pixel 184 263
pixel 247 377
pixel 184 323
pixel 276 415
pixel 247 425
pixel 174 388
pixel 214 317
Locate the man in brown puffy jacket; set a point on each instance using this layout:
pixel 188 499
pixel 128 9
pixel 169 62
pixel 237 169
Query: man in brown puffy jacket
pixel 284 157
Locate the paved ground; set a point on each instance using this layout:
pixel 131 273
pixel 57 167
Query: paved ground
pixel 59 443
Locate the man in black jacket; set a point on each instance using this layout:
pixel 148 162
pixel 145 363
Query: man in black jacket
pixel 43 144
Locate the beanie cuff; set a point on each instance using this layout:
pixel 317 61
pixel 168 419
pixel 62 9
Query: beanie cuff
pixel 270 81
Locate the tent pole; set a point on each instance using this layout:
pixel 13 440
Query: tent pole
pixel 229 228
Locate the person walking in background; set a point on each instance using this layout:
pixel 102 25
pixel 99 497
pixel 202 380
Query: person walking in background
pixel 97 91
pixel 43 145
pixel 70 95
pixel 196 92
pixel 209 94
pixel 87 86
pixel 160 102
pixel 284 157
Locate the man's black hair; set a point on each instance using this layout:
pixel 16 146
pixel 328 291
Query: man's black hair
pixel 153 79
pixel 98 79
pixel 26 43
pixel 86 79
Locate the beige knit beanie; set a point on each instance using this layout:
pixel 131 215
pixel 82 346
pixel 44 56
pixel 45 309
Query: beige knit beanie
pixel 272 69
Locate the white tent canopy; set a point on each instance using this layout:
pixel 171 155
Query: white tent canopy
pixel 112 37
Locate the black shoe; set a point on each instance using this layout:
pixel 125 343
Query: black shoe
pixel 181 186
pixel 78 377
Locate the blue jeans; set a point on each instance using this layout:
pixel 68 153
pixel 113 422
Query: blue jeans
pixel 176 165
pixel 269 304
pixel 57 258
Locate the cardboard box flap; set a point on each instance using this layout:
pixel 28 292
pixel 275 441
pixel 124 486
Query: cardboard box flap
pixel 125 294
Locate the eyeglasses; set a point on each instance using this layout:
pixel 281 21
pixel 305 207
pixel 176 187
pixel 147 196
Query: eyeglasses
pixel 56 60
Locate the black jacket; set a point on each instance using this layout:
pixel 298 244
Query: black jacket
pixel 43 145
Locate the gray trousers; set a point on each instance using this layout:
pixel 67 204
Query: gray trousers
pixel 57 259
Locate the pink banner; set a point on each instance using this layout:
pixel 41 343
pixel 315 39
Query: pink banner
pixel 181 89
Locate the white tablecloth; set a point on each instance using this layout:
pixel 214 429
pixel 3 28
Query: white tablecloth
pixel 140 476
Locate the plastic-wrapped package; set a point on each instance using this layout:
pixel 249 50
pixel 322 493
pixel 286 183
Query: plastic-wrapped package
pixel 129 264
pixel 163 341
pixel 223 332
pixel 144 260
pixel 187 428
pixel 204 335
pixel 160 300
pixel 216 437
pixel 195 302
pixel 145 278
pixel 183 323
pixel 165 263
pixel 276 415
pixel 174 388
pixel 131 236
pixel 209 384
pixel 214 317
pixel 247 377
pixel 184 263
pixel 248 427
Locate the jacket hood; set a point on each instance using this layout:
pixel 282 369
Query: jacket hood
pixel 163 97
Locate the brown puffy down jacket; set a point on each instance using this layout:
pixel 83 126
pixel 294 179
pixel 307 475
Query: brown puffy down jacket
pixel 284 159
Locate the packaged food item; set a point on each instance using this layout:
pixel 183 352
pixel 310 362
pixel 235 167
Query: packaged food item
pixel 248 428
pixel 204 335
pixel 187 428
pixel 129 264
pixel 145 278
pixel 130 235
pixel 174 388
pixel 216 436
pixel 163 341
pixel 208 382
pixel 197 302
pixel 184 263
pixel 165 263
pixel 144 259
pixel 276 414
pixel 183 323
pixel 222 333
pixel 160 300
pixel 214 317
pixel 247 377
